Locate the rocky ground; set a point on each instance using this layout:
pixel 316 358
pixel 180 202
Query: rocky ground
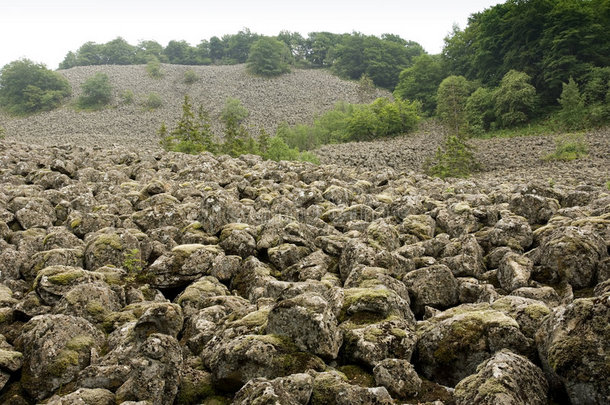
pixel 129 276
pixel 295 98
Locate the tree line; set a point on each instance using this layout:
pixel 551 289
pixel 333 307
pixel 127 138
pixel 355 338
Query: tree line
pixel 349 55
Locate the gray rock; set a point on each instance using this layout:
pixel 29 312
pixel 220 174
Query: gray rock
pixel 514 271
pixel 451 344
pixel 505 378
pixel 308 320
pixel 433 286
pixel 398 376
pixel 330 388
pixel 574 348
pixel 55 349
pixel 295 389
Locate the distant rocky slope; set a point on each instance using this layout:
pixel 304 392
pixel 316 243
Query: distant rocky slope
pixel 128 275
pixel 296 97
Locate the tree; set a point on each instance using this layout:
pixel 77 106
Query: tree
pixel 118 52
pixel 27 87
pixel 179 53
pixel 573 112
pixel 420 81
pixel 480 110
pixel 452 95
pixel 192 133
pixel 97 92
pixel 515 99
pixel 236 136
pixel 268 57
pixel 454 159
pixel 148 50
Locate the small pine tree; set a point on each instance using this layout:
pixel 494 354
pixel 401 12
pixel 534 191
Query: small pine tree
pixel 455 159
pixel 573 111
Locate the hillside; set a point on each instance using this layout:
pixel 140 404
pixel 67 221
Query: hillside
pixel 296 97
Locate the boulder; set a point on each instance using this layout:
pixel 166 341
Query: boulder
pixel 295 389
pixel 308 320
pixel 398 376
pixel 514 271
pixel 331 388
pixel 55 349
pixel 451 344
pixel 433 286
pixel 574 348
pixel 505 378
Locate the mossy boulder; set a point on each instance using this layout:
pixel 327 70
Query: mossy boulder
pixel 238 239
pixel 240 359
pixel 332 388
pixel 55 349
pixel 574 348
pixel 197 295
pixel 53 257
pixel 371 343
pixel 295 389
pixel 92 301
pixel 433 286
pixel 398 376
pixel 451 344
pixel 575 254
pixel 111 246
pixel 84 396
pixel 505 378
pixel 375 302
pixel 182 265
pixel 309 321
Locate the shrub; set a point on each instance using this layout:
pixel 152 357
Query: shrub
pixel 451 98
pixel 190 77
pixel 268 57
pixel 278 150
pixel 569 147
pixel 515 99
pixel 573 112
pixel 97 92
pixel 153 67
pixel 153 101
pixel 27 87
pixel 454 159
pixel 480 110
pixel 192 133
pixel 127 97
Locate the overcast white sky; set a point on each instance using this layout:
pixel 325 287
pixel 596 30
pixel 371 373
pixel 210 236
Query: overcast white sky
pixel 45 30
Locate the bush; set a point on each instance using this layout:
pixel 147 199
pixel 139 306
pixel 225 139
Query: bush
pixel 573 112
pixel 569 147
pixel 97 92
pixel 153 67
pixel 127 97
pixel 454 159
pixel 192 134
pixel 278 150
pixel 515 99
pixel 268 57
pixel 480 111
pixel 153 101
pixel 451 98
pixel 190 77
pixel 27 87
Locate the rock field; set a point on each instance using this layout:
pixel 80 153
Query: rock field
pixel 148 277
pixel 129 275
pixel 295 98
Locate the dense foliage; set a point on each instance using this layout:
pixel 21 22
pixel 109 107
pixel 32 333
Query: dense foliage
pixel 27 87
pixel 269 57
pixel 350 55
pixel 351 122
pixel 97 92
pixel 454 159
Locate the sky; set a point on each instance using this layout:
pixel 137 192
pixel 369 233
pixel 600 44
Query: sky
pixel 45 30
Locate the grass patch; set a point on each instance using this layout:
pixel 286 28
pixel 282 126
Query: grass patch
pixel 569 147
pixel 535 128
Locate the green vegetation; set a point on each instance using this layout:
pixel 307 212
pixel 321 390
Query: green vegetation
pixel 454 159
pixel 354 122
pixel 132 261
pixel 269 57
pixel 572 115
pixel 27 87
pixel 569 147
pixel 192 134
pixel 97 92
pixel 190 77
pixel 127 97
pixel 451 95
pixel 153 101
pixel 153 68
